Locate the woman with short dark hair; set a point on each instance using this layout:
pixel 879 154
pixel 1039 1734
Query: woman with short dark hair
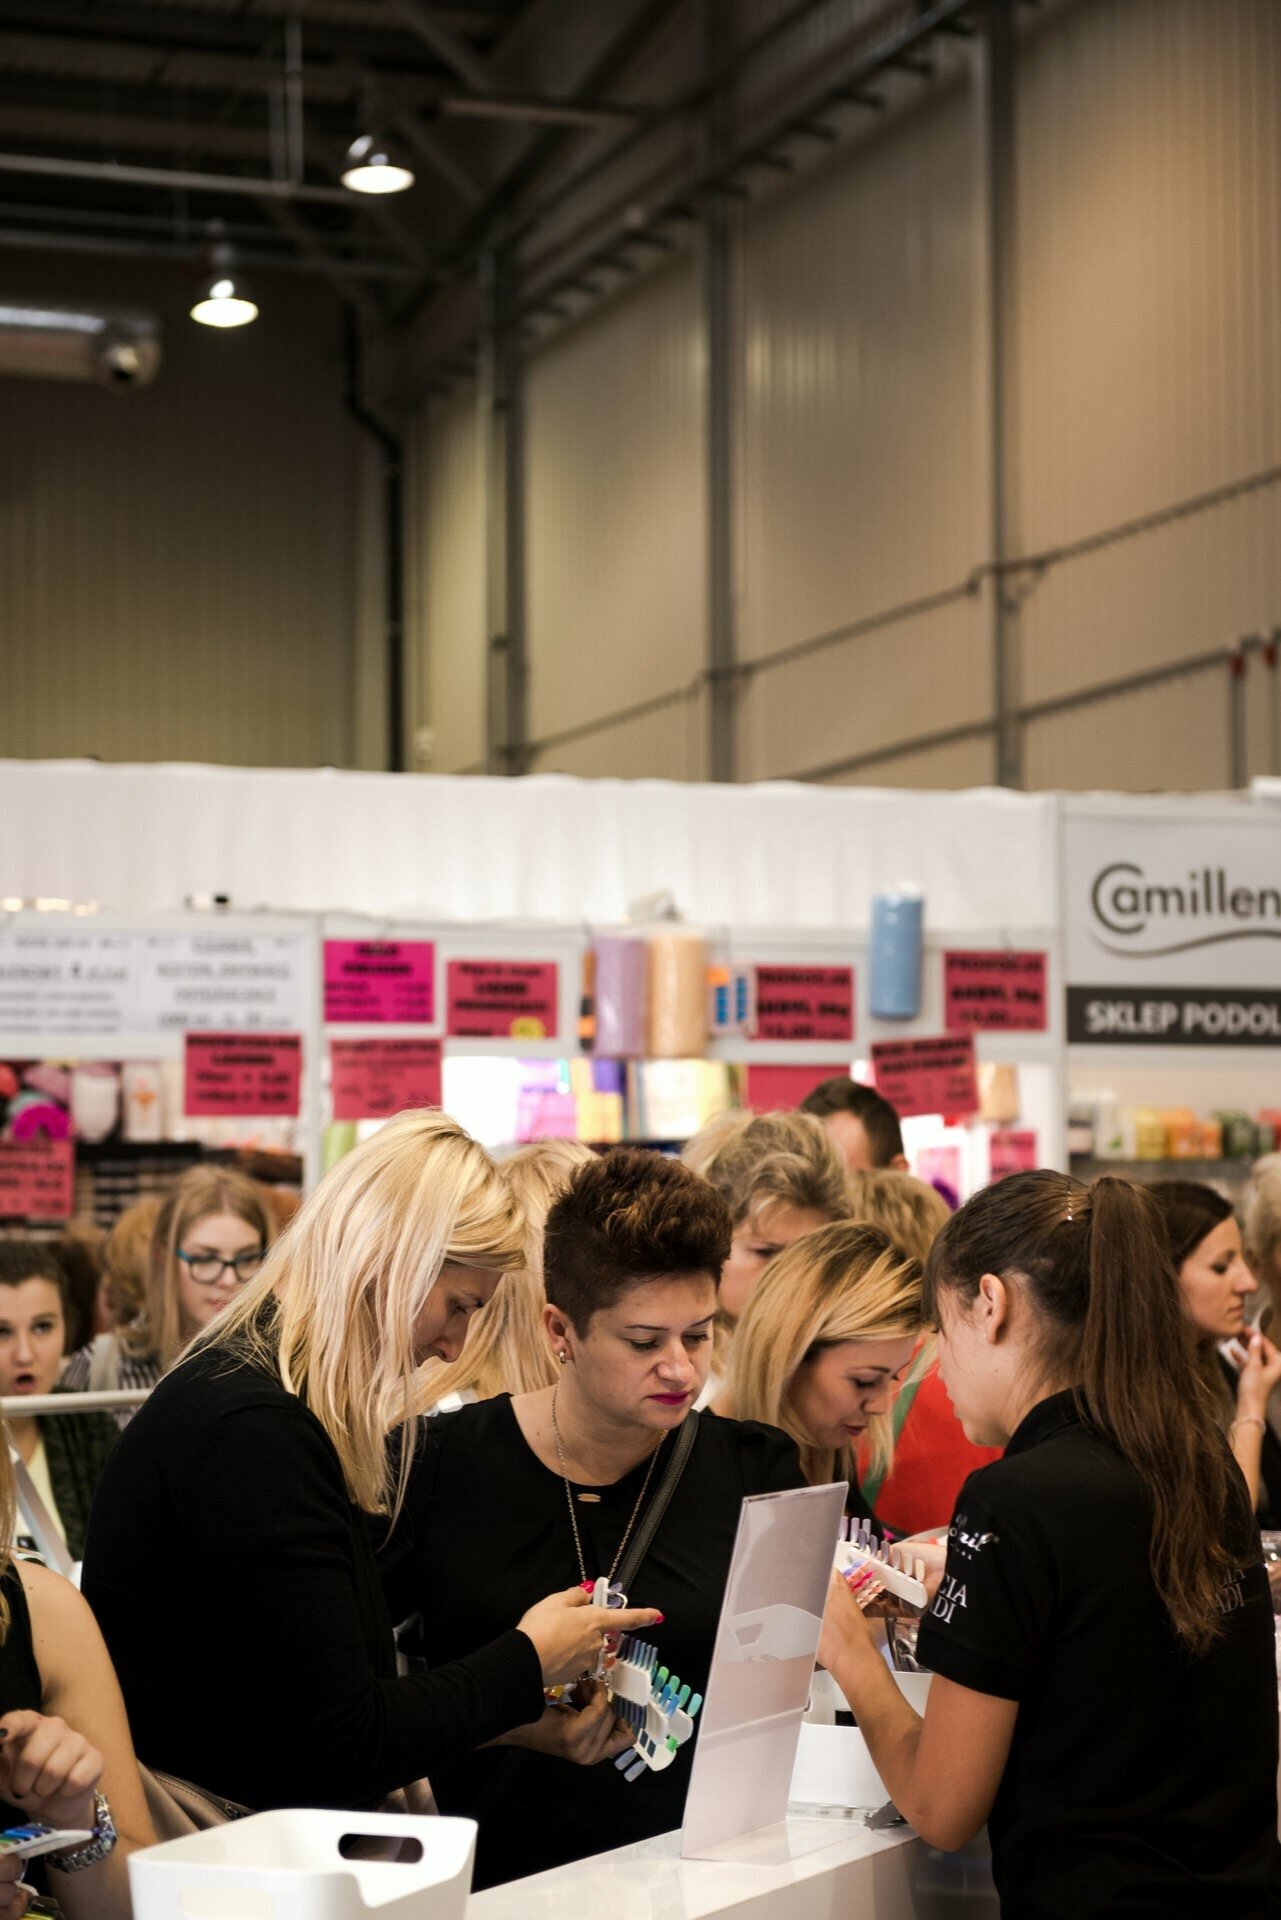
pixel 552 1486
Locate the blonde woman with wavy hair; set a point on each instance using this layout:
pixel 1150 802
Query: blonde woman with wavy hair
pixel 822 1346
pixel 911 1212
pixel 231 1552
pixel 507 1350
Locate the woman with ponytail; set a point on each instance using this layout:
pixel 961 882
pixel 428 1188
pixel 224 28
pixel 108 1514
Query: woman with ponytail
pixel 1105 1690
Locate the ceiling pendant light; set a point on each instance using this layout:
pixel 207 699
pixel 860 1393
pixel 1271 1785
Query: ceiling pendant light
pixel 371 167
pixel 223 299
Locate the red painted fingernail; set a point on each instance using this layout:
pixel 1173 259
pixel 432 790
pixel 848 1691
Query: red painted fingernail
pixel 588 1586
pixel 658 1620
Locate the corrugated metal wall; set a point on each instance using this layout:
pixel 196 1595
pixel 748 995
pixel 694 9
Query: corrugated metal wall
pixel 445 605
pixel 1149 369
pixel 1146 371
pixel 178 575
pixel 859 441
pixel 616 528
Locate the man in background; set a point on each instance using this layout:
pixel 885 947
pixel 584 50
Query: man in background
pixel 864 1127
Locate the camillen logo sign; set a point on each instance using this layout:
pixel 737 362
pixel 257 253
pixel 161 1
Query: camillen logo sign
pixel 1136 913
pixel 1172 928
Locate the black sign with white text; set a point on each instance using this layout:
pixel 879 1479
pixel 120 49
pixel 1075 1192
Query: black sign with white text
pixel 1174 1016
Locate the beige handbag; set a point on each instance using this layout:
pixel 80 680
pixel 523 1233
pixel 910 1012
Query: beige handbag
pixel 178 1808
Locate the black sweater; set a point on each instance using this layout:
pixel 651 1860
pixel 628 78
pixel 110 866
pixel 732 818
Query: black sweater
pixel 237 1590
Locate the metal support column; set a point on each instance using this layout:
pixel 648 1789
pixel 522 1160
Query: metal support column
pixel 501 425
pixel 995 75
pixel 721 651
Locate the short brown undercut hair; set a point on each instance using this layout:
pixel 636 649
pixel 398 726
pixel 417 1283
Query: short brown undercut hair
pixel 630 1217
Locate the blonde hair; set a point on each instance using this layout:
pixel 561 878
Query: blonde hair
pixel 159 1328
pixel 844 1282
pixel 332 1314
pixel 126 1255
pixel 1263 1219
pixel 506 1351
pixel 766 1159
pixel 912 1213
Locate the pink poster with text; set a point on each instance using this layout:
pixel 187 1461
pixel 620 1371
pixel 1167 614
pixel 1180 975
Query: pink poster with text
pixel 388 981
pixel 242 1075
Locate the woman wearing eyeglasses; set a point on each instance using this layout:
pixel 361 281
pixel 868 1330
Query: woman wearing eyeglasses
pixel 211 1236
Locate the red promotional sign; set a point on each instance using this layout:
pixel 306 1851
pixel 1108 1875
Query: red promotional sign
pixel 994 992
pixel 380 980
pixel 502 999
pixel 242 1075
pixel 37 1179
pixel 1011 1151
pixel 927 1076
pixel 804 1003
pixel 373 1079
pixel 771 1088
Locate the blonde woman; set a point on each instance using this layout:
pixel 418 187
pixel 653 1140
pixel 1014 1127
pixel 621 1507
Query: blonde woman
pixel 781 1177
pixel 506 1350
pixel 231 1553
pixel 932 1456
pixel 822 1346
pixel 65 1754
pixel 210 1237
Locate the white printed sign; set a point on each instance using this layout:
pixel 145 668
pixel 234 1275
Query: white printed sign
pixel 66 980
pixel 94 980
pixel 1173 928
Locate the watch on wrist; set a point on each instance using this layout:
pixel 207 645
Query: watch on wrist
pixel 94 1849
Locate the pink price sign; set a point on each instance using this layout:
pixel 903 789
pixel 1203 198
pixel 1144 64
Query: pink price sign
pixel 373 1079
pixel 804 1003
pixel 380 981
pixel 37 1179
pixel 771 1088
pixel 502 999
pixel 927 1076
pixel 1011 1150
pixel 242 1075
pixel 994 992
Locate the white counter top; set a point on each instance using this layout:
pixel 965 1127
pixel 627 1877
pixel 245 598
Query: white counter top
pixel 855 1872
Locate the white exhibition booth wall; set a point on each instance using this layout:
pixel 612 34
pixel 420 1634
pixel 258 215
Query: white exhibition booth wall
pixel 1158 917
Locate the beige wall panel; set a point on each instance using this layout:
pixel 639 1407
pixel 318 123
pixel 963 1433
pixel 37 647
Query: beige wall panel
pixel 615 509
pixel 1173 736
pixel 661 746
pixel 859 434
pixel 918 677
pixel 177 565
pixel 965 763
pixel 446 616
pixel 1149 349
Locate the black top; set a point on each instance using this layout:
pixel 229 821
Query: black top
pixel 239 1595
pixel 1140 1781
pixel 77 1447
pixel 20 1684
pixel 498 1538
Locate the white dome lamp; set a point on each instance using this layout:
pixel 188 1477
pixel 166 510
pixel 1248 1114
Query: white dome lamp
pixel 223 299
pixel 372 166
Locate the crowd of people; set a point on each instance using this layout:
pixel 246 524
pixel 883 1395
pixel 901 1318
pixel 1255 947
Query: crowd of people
pixel 455 1393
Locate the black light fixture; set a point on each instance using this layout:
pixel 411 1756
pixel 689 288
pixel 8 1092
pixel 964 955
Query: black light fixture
pixel 222 298
pixel 373 165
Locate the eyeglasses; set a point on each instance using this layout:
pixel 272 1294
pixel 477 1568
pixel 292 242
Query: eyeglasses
pixel 206 1269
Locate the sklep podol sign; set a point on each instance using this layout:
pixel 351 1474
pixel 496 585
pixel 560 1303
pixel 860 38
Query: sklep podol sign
pixel 1173 926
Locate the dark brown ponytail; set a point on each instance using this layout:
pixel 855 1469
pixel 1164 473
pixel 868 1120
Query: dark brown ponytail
pixel 1097 1268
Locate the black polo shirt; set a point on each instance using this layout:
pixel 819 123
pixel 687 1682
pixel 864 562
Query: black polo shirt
pixel 1140 1781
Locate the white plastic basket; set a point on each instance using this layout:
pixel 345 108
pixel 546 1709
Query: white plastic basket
pixel 291 1866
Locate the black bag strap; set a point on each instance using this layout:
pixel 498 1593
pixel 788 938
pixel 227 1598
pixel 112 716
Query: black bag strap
pixel 643 1538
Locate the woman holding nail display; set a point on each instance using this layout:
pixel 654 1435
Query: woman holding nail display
pixel 557 1485
pixel 1105 1689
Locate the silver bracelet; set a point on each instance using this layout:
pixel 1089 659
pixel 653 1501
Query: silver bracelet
pixel 1251 1420
pixel 92 1850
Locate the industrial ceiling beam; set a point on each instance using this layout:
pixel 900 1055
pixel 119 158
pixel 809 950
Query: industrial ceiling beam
pixel 531 107
pixel 109 172
pixel 431 29
pixel 186 250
